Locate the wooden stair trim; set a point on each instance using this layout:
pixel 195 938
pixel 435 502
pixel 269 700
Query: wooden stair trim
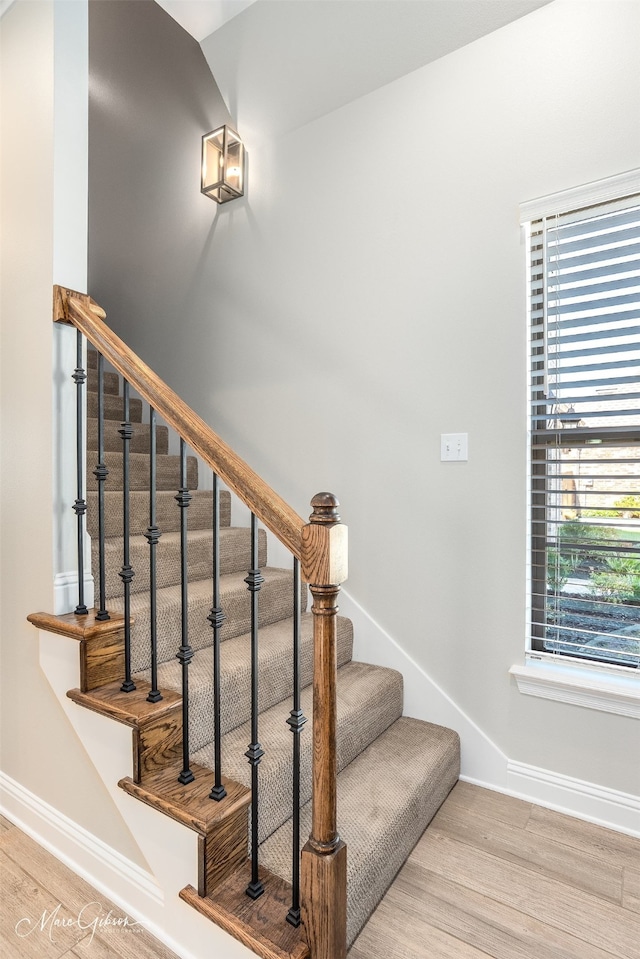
pixel 101 644
pixel 77 627
pixel 189 804
pixel 60 299
pixel 259 924
pixel 132 708
pixel 156 744
pixel 157 727
pixel 223 850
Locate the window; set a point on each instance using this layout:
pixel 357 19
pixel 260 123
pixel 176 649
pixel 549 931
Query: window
pixel 585 426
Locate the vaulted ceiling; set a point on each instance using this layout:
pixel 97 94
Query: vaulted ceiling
pixel 281 63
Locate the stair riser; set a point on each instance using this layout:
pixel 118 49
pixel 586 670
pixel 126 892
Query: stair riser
pixel 113 407
pixel 276 681
pixel 139 442
pixel 369 701
pixel 111 381
pixel 167 472
pixel 275 603
pixel 235 555
pixel 168 519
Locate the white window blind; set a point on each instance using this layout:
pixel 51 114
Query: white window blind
pixel 585 432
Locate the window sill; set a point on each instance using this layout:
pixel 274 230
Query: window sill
pixel 609 690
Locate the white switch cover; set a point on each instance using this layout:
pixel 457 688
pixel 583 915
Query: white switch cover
pixel 454 447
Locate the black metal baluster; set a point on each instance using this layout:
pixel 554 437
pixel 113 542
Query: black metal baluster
pixel 254 753
pixel 126 573
pixel 101 472
pixel 185 653
pixel 80 506
pixel 153 536
pixel 296 721
pixel 216 618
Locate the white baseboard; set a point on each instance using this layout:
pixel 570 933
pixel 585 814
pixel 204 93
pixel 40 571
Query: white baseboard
pixel 610 808
pixel 105 868
pixel 575 797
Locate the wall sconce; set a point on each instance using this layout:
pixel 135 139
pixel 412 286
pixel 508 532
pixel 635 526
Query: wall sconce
pixel 222 165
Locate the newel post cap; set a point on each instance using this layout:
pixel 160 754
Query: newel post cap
pixel 324 544
pixel 325 509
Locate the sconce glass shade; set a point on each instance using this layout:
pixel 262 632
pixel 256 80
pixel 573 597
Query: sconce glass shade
pixel 222 165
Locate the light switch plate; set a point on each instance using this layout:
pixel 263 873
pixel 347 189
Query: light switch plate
pixel 454 447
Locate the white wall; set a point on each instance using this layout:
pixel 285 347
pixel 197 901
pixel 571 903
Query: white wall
pixel 370 294
pixel 40 752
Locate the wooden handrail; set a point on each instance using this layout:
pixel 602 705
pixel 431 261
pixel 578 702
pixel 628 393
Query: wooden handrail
pixel 271 509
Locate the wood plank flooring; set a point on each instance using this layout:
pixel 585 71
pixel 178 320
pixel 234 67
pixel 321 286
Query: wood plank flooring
pixel 492 877
pixel 497 877
pixel 47 912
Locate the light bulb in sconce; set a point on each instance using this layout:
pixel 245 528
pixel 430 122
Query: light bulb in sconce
pixel 223 157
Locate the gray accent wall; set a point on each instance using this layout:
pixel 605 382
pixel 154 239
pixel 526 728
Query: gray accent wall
pixel 151 98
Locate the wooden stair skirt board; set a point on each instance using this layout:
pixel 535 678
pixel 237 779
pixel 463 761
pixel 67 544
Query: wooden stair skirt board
pixel 393 772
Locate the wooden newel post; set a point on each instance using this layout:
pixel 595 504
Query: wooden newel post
pixel 324 857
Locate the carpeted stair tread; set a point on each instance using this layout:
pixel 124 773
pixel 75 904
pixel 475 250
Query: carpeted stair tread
pixel 386 798
pixel 167 472
pixel 113 407
pixel 92 358
pixel 167 510
pixel 275 603
pixel 139 442
pixel 111 381
pixel 235 556
pixel 369 700
pixel 275 670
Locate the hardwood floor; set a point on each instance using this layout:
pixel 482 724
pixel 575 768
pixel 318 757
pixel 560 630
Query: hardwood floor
pixel 497 877
pixel 34 884
pixel 492 877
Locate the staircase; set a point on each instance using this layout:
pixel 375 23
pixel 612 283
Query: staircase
pixel 393 772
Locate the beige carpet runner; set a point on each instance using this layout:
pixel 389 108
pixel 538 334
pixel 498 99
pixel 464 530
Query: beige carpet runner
pixel 394 772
